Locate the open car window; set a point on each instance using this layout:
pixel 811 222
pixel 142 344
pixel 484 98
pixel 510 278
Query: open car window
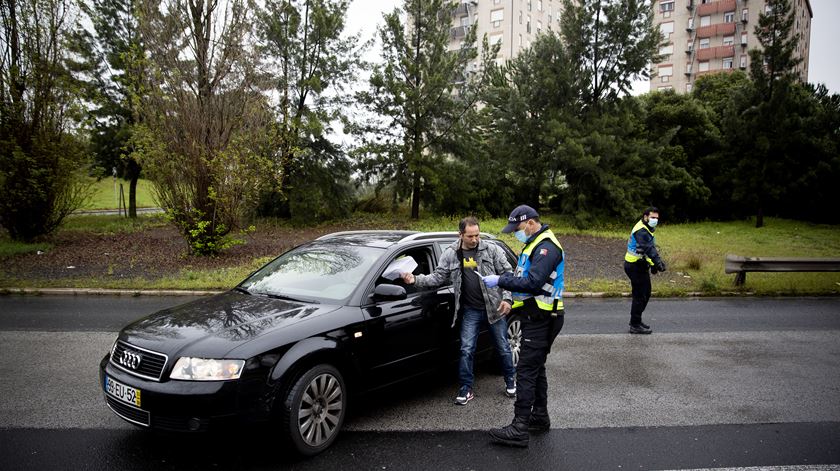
pixel 422 255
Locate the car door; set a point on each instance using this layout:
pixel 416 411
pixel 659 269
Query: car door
pixel 405 336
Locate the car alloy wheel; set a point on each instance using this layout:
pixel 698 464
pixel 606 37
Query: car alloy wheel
pixel 318 403
pixel 515 340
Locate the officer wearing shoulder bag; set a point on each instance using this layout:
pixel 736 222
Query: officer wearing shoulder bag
pixel 537 289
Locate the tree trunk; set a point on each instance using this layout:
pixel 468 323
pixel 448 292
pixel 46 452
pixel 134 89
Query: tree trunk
pixel 415 196
pixel 133 174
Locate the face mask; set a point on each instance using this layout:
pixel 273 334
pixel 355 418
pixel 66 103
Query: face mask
pixel 520 236
pixel 652 222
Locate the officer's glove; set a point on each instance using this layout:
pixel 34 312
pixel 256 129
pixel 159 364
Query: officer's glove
pixel 491 281
pixel 660 266
pixel 654 269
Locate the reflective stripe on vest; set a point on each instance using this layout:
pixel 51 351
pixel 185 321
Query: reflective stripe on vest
pixel 551 292
pixel 632 256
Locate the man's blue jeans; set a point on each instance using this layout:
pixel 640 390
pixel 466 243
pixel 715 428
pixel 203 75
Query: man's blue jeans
pixel 472 322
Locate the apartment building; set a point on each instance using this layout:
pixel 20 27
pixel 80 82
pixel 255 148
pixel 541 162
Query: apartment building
pixel 714 36
pixel 513 24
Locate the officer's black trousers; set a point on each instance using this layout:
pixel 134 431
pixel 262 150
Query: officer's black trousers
pixel 639 274
pixel 538 333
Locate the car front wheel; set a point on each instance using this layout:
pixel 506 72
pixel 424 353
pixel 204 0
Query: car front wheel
pixel 315 409
pixel 515 340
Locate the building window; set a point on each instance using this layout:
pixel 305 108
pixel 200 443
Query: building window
pixel 666 71
pixel 528 25
pixel 704 43
pixel 520 16
pixel 688 87
pixel 666 5
pixel 496 17
pixel 465 21
pixel 520 41
pixel 728 40
pixel 666 50
pixel 744 39
pixel 688 67
pixel 689 46
pixel 667 29
pixel 539 26
pixel 703 66
pixel 665 88
pixel 743 61
pixel 705 20
pixel 727 62
pixel 539 5
pixel 729 17
pixel 496 2
pixel 529 5
pixel 745 14
pixel 494 39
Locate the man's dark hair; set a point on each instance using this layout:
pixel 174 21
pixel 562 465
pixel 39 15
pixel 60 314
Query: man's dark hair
pixel 651 209
pixel 467 221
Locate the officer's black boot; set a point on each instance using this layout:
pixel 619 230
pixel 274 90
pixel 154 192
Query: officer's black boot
pixel 515 434
pixel 539 421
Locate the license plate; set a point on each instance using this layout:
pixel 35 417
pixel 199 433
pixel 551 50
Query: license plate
pixel 122 392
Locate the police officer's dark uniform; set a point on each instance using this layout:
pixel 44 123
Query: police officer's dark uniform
pixel 537 288
pixel 640 260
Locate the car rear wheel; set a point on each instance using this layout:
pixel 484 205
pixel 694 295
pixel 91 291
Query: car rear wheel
pixel 515 340
pixel 315 408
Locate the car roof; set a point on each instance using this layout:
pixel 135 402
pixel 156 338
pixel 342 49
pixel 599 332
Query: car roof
pixel 387 238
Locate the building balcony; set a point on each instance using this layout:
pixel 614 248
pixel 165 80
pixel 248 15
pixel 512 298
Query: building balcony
pixel 715 71
pixel 463 8
pixel 715 52
pixel 458 32
pixel 713 7
pixel 720 29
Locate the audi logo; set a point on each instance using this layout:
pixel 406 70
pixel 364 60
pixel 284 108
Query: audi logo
pixel 130 359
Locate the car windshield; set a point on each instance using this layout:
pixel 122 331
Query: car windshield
pixel 325 271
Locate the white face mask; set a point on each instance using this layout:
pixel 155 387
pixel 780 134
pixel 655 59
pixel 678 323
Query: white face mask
pixel 652 222
pixel 520 236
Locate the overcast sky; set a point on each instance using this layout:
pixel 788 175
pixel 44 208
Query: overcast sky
pixel 824 66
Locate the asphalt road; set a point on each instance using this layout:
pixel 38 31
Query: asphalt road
pixel 731 382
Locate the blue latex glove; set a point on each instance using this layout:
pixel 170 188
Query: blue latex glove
pixel 491 281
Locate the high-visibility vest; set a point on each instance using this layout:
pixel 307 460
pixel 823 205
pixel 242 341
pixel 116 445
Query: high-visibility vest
pixel 632 255
pixel 551 298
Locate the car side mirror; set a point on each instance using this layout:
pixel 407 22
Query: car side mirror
pixel 387 291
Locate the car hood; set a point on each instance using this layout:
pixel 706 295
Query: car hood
pixel 214 326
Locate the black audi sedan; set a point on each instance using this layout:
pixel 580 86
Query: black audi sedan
pixel 292 341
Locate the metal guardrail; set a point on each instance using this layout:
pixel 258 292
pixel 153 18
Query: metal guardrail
pixel 742 265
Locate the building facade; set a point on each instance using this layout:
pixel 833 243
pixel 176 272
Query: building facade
pixel 513 24
pixel 714 36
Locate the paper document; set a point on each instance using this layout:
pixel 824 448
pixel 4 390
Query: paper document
pixel 399 266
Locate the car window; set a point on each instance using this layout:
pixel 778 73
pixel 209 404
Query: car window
pixel 328 272
pixel 421 255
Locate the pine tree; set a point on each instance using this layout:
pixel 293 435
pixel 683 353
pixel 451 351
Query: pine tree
pixel 422 94
pixel 110 71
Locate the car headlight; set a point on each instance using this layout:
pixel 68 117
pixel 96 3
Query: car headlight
pixel 202 369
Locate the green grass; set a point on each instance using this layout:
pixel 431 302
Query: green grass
pixel 9 247
pixel 105 197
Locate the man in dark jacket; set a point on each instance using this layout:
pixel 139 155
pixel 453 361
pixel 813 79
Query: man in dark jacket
pixel 537 290
pixel 640 261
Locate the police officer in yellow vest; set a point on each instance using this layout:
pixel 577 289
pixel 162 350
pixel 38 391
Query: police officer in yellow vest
pixel 537 290
pixel 640 260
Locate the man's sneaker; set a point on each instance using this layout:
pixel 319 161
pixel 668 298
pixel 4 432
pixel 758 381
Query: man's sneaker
pixel 510 388
pixel 465 395
pixel 644 325
pixel 639 329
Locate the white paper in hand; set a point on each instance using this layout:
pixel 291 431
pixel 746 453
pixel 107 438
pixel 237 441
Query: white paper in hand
pixel 399 266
